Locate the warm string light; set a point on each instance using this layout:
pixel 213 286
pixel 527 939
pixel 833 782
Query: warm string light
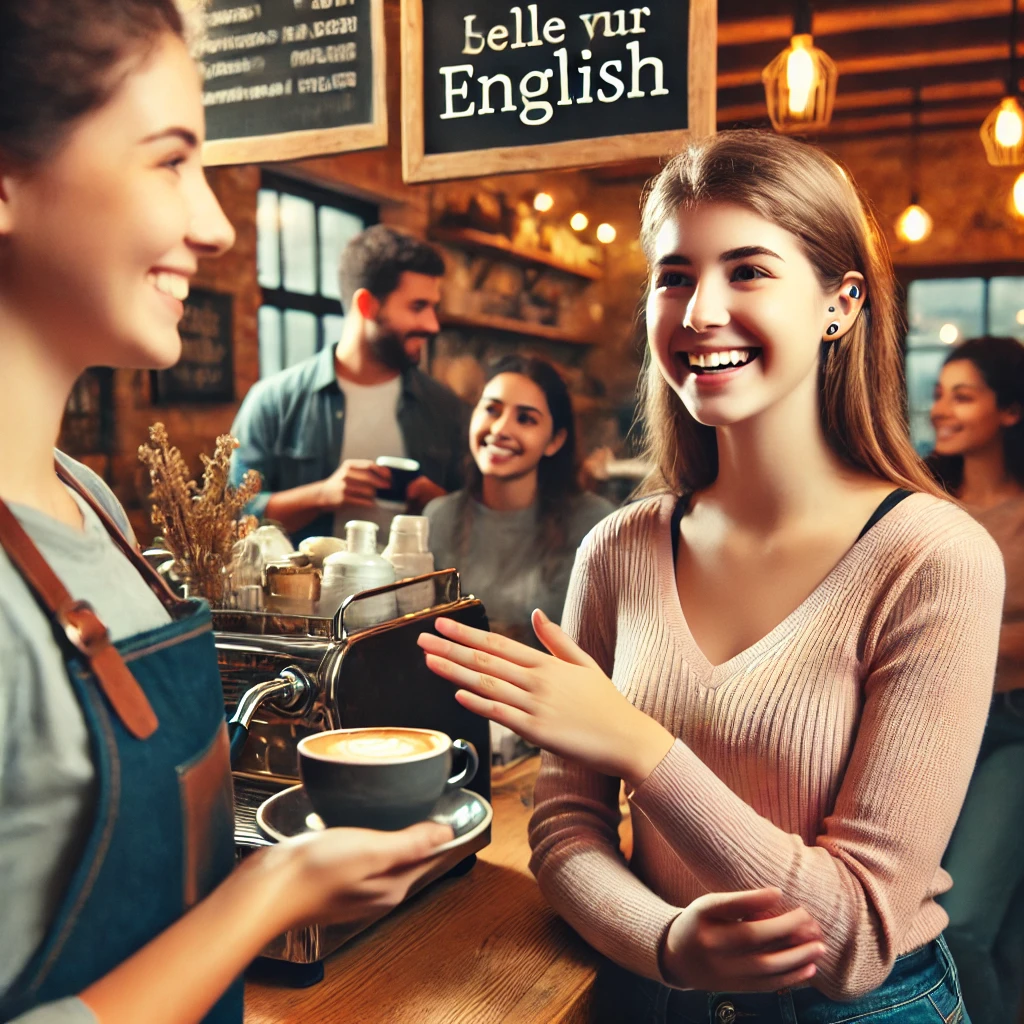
pixel 1002 132
pixel 542 202
pixel 578 221
pixel 1017 196
pixel 914 224
pixel 800 75
pixel 605 233
pixel 948 334
pixel 800 83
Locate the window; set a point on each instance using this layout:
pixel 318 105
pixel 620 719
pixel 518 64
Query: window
pixel 943 311
pixel 300 233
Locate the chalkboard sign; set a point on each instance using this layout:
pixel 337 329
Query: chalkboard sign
pixel 490 86
pixel 205 371
pixel 284 79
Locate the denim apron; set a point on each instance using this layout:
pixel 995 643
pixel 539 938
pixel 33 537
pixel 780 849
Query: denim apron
pixel 162 834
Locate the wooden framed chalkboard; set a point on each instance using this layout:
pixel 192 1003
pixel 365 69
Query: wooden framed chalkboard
pixel 284 79
pixel 494 86
pixel 205 371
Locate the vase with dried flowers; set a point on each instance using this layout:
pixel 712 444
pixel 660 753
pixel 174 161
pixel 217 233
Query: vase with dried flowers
pixel 199 524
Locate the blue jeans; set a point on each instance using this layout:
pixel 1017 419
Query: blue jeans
pixel 922 988
pixel 986 859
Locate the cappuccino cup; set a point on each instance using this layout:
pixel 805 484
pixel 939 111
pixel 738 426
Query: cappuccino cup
pixel 384 777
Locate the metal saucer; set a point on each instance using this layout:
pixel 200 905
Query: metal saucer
pixel 290 813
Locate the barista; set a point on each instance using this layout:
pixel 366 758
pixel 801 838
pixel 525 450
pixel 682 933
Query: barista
pixel 116 848
pixel 315 429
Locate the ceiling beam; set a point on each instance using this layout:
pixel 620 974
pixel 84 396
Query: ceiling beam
pixel 950 93
pixel 889 16
pixel 882 63
pixel 895 121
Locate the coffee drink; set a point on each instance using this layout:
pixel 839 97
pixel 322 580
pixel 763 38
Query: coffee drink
pixel 371 746
pixel 385 777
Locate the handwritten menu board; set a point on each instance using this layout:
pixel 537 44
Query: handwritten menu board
pixel 205 371
pixel 493 87
pixel 284 79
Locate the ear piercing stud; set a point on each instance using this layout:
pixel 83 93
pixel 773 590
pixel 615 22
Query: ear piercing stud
pixel 854 292
pixel 832 327
pixel 831 309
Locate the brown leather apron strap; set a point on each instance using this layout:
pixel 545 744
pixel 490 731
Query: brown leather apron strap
pixel 82 627
pixel 156 582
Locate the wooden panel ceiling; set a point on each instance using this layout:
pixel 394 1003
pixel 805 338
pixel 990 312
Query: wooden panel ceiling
pixel 955 51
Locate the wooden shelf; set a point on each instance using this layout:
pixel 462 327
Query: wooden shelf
pixel 482 241
pixel 510 326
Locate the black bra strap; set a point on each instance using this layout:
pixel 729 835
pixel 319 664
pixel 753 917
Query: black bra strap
pixel 888 503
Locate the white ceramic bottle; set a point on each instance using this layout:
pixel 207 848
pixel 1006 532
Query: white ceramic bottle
pixel 357 569
pixel 407 551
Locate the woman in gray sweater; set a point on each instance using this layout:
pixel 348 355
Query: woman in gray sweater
pixel 513 531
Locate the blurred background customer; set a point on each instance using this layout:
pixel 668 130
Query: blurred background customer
pixel 979 458
pixel 514 529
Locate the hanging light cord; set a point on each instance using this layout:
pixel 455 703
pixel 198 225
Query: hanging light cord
pixel 1014 72
pixel 915 124
pixel 802 18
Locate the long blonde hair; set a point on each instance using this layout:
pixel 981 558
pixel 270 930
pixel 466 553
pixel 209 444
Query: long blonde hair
pixel 862 389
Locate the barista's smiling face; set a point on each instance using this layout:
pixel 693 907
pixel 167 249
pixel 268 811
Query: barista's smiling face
pixel 511 429
pixel 98 243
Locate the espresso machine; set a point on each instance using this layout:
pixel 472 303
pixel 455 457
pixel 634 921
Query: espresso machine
pixel 286 676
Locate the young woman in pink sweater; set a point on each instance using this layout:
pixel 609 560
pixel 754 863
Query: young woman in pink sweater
pixel 785 651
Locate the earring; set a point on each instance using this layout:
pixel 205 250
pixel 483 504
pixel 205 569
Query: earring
pixel 832 327
pixel 854 292
pixel 831 309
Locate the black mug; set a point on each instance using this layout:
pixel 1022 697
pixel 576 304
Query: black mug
pixel 385 777
pixel 403 472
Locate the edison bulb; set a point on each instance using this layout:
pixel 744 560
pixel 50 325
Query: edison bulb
pixel 799 77
pixel 578 221
pixel 542 202
pixel 605 233
pixel 914 225
pixel 1009 127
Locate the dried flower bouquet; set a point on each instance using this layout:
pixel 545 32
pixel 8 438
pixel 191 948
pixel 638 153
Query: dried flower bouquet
pixel 199 525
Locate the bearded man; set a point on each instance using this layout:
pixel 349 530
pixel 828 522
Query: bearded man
pixel 315 430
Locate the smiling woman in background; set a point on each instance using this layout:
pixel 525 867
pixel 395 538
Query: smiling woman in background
pixel 979 457
pixel 513 531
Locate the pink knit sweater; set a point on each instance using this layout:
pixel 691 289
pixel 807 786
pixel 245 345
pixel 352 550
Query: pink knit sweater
pixel 830 759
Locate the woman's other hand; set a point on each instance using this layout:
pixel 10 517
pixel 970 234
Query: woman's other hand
pixel 560 701
pixel 741 942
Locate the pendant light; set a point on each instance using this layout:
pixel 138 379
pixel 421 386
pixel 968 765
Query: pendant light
pixel 914 224
pixel 800 83
pixel 1002 132
pixel 1017 197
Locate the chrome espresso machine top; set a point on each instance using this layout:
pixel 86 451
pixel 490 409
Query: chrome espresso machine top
pixel 287 676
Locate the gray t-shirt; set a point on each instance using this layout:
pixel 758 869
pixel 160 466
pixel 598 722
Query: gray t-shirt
pixel 46 772
pixel 502 565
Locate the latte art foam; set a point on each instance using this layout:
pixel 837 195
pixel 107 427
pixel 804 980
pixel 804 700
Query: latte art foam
pixel 380 745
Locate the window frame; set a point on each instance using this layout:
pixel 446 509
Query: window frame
pixel 281 298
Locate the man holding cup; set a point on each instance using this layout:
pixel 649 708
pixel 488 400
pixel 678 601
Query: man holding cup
pixel 359 431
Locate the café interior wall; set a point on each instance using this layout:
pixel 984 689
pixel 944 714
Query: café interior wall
pixel 966 198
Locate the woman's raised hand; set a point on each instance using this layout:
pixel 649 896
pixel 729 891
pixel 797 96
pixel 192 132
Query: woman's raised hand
pixel 741 942
pixel 560 701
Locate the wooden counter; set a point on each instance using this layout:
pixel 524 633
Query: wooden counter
pixel 474 950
